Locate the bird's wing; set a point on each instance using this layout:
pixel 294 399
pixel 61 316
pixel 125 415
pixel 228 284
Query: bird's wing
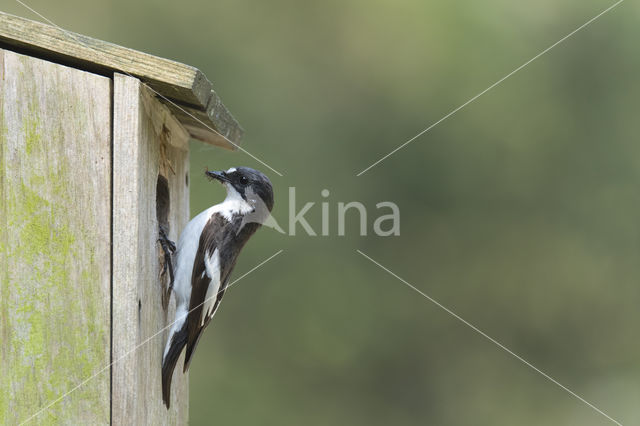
pixel 211 270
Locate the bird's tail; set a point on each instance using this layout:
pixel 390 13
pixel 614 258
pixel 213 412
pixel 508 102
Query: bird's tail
pixel 175 344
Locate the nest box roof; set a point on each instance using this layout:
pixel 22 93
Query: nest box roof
pixel 188 92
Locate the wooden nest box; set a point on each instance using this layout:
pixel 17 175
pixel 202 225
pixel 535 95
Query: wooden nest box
pixel 94 155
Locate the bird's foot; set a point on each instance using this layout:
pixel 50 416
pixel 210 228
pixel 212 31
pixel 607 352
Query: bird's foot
pixel 167 245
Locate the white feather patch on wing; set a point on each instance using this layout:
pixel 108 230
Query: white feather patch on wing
pixel 212 267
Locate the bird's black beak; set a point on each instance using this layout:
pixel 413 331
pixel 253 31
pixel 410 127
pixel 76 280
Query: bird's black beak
pixel 221 176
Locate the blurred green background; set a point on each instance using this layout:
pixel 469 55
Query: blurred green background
pixel 520 212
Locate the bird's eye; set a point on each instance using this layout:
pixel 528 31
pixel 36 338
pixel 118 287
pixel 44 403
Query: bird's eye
pixel 244 180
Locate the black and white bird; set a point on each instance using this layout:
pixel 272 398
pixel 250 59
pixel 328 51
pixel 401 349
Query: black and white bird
pixel 206 254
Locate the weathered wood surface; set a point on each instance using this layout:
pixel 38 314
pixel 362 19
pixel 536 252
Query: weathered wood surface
pixel 180 83
pixel 55 221
pixel 141 152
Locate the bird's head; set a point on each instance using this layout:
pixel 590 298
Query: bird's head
pixel 253 186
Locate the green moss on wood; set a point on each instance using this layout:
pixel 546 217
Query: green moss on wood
pixel 32 137
pixel 49 291
pixel 4 274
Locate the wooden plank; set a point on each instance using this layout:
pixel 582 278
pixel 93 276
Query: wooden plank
pixel 55 222
pixel 185 85
pixel 164 122
pixel 141 153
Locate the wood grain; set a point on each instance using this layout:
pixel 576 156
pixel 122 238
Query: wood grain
pixel 141 152
pixel 55 224
pixel 184 85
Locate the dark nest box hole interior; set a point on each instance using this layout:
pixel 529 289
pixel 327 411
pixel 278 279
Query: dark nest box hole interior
pixel 162 203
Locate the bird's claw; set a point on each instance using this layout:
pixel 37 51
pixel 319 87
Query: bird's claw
pixel 167 244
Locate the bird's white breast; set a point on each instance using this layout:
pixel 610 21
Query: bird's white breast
pixel 186 254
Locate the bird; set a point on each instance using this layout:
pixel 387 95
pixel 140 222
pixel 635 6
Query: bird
pixel 205 256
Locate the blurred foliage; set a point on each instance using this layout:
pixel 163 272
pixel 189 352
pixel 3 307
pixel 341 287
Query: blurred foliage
pixel 519 213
